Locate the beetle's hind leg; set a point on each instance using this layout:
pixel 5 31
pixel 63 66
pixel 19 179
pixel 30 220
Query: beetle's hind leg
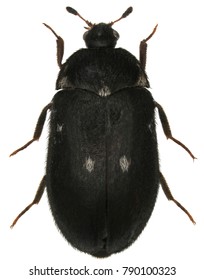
pixel 167 129
pixel 169 196
pixel 38 129
pixel 36 200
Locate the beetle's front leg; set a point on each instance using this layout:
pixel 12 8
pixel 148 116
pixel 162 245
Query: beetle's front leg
pixel 167 129
pixel 38 129
pixel 143 48
pixel 60 46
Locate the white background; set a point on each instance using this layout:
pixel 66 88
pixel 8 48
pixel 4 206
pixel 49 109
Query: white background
pixel 28 73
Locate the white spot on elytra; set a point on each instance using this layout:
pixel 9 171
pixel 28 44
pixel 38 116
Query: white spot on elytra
pixel 59 127
pixel 124 163
pixel 150 127
pixel 89 164
pixel 104 91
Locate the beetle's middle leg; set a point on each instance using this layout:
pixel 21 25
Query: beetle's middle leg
pixel 167 130
pixel 169 196
pixel 36 200
pixel 38 129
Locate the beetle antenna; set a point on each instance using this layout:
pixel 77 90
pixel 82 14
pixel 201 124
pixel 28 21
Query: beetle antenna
pixel 124 15
pixel 74 12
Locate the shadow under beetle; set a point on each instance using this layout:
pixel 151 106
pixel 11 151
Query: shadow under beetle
pixel 102 173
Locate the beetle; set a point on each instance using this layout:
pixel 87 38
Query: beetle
pixel 102 172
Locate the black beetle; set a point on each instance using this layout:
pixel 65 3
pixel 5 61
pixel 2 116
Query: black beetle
pixel 102 173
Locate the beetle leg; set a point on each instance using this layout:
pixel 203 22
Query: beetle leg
pixel 167 130
pixel 36 200
pixel 60 46
pixel 38 129
pixel 169 196
pixel 143 48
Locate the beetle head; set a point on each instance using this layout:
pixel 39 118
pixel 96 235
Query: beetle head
pixel 100 35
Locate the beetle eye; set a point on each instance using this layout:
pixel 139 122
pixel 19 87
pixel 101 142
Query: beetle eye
pixel 115 34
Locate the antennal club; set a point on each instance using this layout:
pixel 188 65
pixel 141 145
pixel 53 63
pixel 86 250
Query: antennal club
pixel 124 15
pixel 74 12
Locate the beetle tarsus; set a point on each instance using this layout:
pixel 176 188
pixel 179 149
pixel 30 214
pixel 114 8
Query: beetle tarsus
pixel 36 200
pixel 182 145
pixel 167 129
pixel 169 196
pixel 23 147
